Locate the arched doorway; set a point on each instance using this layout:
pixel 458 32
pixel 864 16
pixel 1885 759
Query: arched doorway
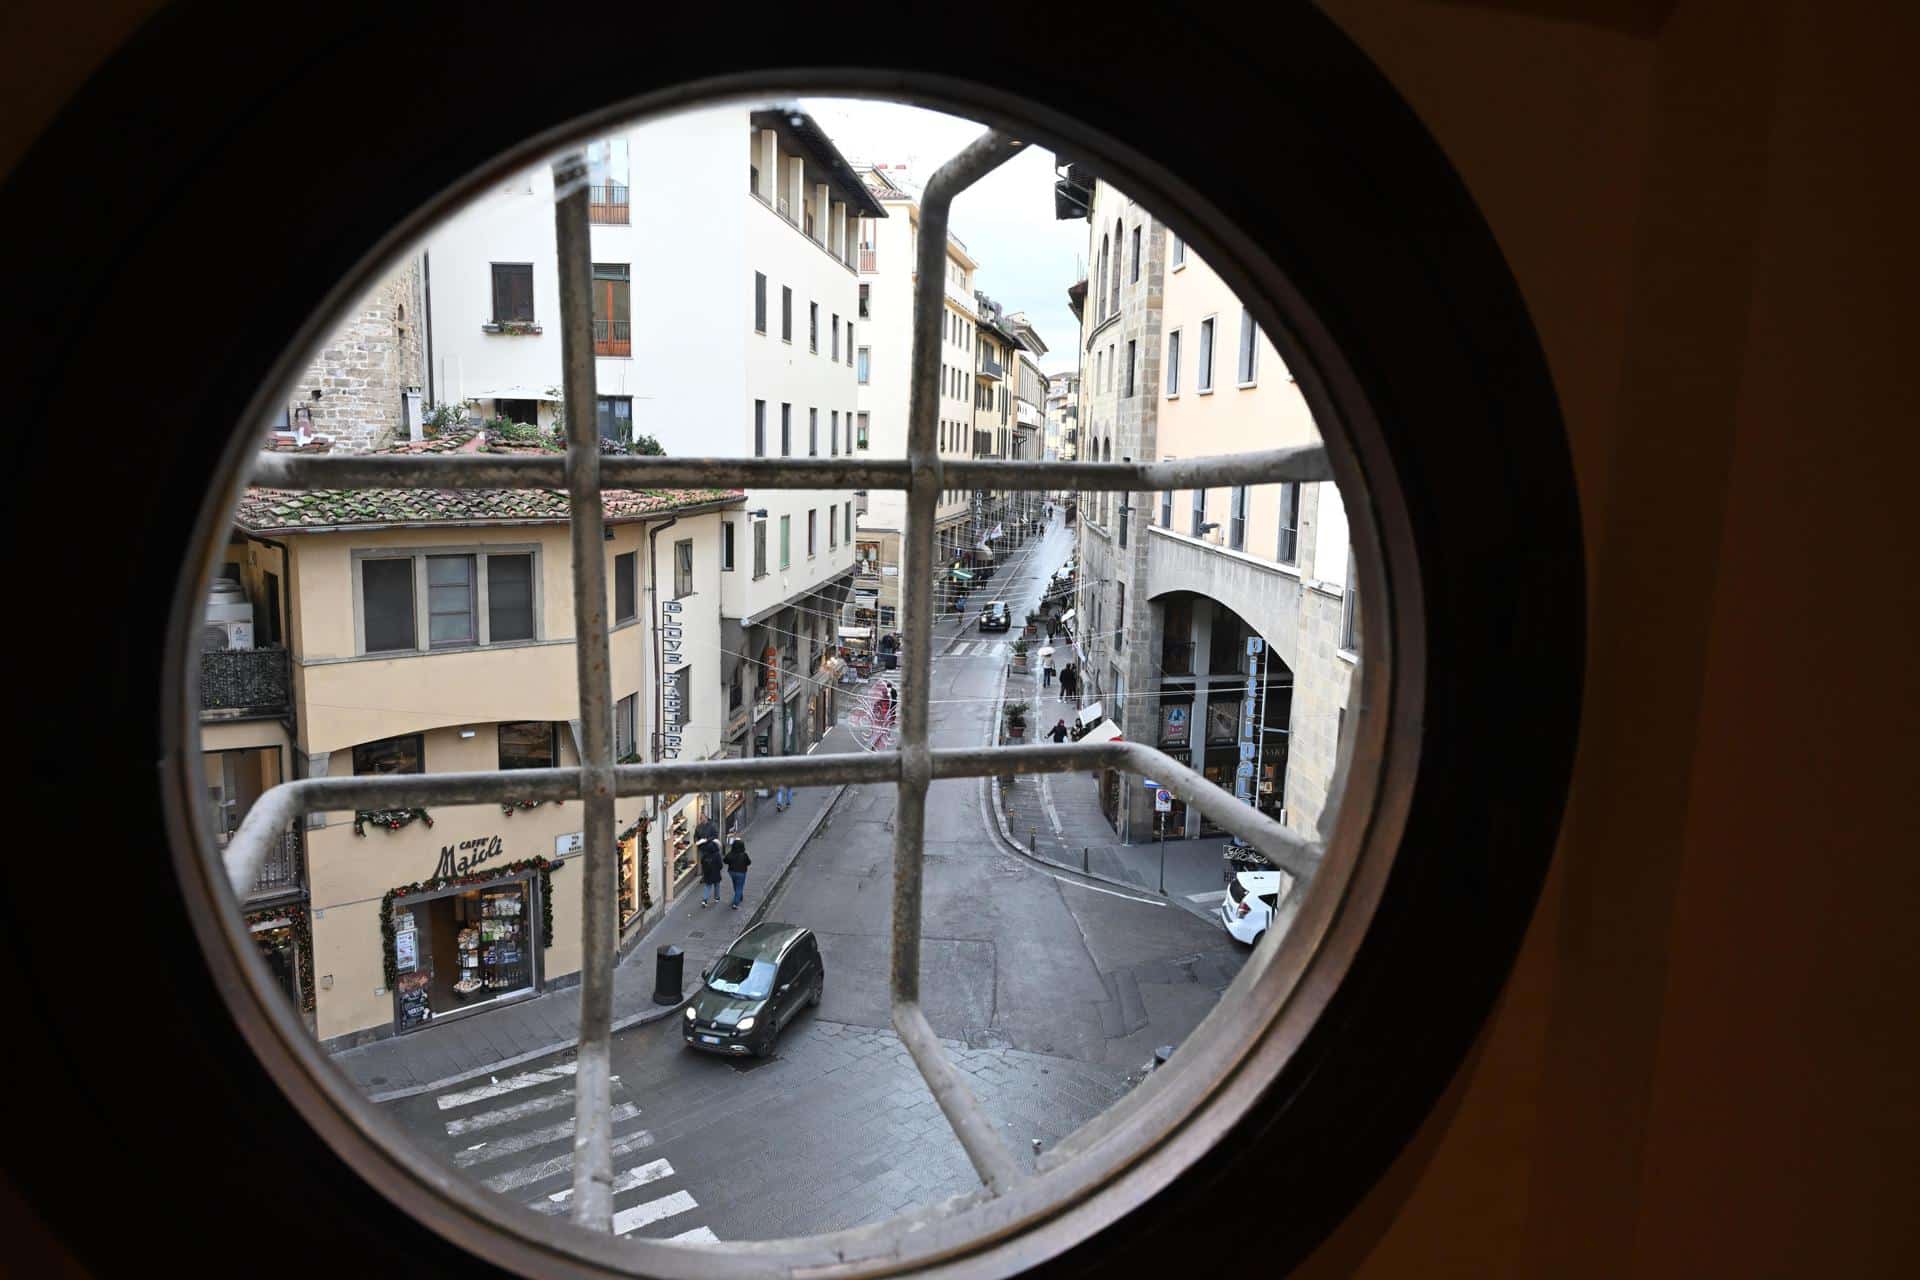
pixel 1221 703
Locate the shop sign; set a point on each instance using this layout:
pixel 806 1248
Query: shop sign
pixel 458 859
pixel 1174 725
pixel 672 712
pixel 572 842
pixel 406 950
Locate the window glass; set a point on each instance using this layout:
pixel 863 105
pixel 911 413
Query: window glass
pixel 388 755
pixel 683 568
pixel 759 302
pixel 726 545
pixel 450 612
pixel 1248 331
pixel 739 976
pixel 528 744
pixel 624 575
pixel 786 541
pixel 386 588
pixel 1205 377
pixel 509 598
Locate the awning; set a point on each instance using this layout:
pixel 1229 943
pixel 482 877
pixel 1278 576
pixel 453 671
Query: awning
pixel 518 393
pixel 856 633
pixel 1105 731
pixel 963 575
pixel 1066 617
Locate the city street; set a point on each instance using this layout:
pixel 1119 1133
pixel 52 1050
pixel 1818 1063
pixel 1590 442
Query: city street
pixel 1051 994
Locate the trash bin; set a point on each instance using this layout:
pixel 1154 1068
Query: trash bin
pixel 669 963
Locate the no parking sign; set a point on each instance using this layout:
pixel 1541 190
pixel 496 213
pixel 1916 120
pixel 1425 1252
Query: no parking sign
pixel 1163 801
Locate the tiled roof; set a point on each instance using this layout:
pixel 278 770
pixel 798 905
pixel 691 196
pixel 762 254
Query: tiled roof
pixel 290 510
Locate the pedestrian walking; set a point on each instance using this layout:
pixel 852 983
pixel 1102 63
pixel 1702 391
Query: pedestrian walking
pixel 782 797
pixel 1046 675
pixel 710 864
pixel 1059 731
pixel 737 863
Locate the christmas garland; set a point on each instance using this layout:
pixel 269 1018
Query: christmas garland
pixel 639 827
pixel 389 963
pixel 391 819
pixel 302 945
pixel 514 806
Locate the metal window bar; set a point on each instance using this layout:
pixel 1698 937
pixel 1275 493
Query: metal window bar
pixel 924 474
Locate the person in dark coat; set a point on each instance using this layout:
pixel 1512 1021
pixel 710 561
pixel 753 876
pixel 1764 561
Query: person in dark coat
pixel 710 864
pixel 737 863
pixel 1059 731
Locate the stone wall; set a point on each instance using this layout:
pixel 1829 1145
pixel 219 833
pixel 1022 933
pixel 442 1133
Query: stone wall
pixel 354 386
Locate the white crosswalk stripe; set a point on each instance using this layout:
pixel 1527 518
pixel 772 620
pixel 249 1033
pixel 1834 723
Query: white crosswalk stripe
pixel 699 1235
pixel 516 1143
pixel 639 1176
pixel 540 1170
pixel 505 1115
pixel 652 1211
pixel 448 1101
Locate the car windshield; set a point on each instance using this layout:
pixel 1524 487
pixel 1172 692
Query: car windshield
pixel 739 976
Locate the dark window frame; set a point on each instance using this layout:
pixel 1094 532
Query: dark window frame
pixel 366 755
pixel 512 292
pixel 552 760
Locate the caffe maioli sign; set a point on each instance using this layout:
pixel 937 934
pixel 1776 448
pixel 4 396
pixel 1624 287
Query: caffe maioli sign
pixel 458 859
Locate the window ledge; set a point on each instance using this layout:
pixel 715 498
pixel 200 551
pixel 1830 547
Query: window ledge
pixel 1204 391
pixel 1248 386
pixel 512 328
pixel 1348 655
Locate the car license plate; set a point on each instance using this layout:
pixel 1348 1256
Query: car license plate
pixel 710 1039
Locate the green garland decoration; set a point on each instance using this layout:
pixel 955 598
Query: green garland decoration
pixel 389 963
pixel 514 806
pixel 391 819
pixel 302 926
pixel 640 827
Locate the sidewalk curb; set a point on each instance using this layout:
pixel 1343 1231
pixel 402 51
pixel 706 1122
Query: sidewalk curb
pixel 645 1016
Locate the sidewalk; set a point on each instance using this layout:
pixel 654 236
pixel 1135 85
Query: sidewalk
pixel 437 1056
pixel 1056 817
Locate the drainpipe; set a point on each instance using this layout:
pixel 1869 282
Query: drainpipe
pixel 659 695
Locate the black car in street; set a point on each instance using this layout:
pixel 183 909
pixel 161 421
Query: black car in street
pixel 995 617
pixel 755 989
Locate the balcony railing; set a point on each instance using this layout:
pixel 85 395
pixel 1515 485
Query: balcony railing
pixel 867 259
pixel 245 680
pixel 284 870
pixel 613 337
pixel 990 368
pixel 607 203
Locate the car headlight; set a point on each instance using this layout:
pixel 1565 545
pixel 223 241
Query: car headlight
pixel 689 1013
pixel 745 1024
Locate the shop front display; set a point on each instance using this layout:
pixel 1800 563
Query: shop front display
pixel 680 844
pixel 463 947
pixel 632 848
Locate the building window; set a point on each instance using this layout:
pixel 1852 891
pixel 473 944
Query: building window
pixel 863 368
pixel 386 604
pixel 860 431
pixel 759 303
pixel 1248 330
pixel 1205 376
pixel 1289 549
pixel 833 530
pixel 1120 613
pixel 813 433
pixel 1199 512
pixel 1350 609
pixel 509 598
pixel 813 327
pixel 786 541
pixel 512 291
pixel 786 314
pixel 615 416
pixel 1237 519
pixel 452 609
pixel 612 314
pixel 833 432
pixel 1100 370
pixel 836 338
pixel 1136 255
pixel 1132 358
pixel 759 428
pixel 683 568
pixel 813 532
pixel 529 744
pixel 759 548
pixel 1166 509
pixel 1099 280
pixel 726 546
pixel 847 523
pixel 389 755
pixel 786 430
pixel 1173 364
pixel 624 577
pixel 1179 253
pixel 866 302
pixel 626 727
pixel 1125 507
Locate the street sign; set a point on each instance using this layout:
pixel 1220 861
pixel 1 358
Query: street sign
pixel 1255 646
pixel 1149 784
pixel 1163 801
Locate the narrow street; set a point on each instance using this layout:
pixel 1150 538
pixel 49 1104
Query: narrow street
pixel 1050 994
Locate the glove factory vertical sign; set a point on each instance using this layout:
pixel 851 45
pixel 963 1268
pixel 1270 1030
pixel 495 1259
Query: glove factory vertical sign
pixel 672 713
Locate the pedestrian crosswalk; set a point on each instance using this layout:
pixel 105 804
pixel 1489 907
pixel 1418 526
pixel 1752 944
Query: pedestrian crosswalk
pixel 978 649
pixel 524 1147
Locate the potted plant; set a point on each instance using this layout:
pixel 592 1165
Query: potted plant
pixel 1016 720
pixel 1033 624
pixel 1020 652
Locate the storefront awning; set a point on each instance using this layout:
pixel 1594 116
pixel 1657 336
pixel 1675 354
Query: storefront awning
pixel 963 575
pixel 518 393
pixel 1105 731
pixel 856 633
pixel 1066 617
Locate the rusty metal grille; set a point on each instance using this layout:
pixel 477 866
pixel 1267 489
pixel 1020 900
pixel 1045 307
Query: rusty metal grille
pixel 923 474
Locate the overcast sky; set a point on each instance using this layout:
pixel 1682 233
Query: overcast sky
pixel 1027 258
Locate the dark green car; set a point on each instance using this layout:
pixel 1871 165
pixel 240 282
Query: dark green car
pixel 754 990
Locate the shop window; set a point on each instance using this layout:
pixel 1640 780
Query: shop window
pixel 389 755
pixel 529 744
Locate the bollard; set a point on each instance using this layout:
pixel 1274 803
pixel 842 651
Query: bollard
pixel 668 965
pixel 1031 834
pixel 1083 859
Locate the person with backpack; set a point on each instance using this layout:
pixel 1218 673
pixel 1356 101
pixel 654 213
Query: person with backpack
pixel 737 863
pixel 710 864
